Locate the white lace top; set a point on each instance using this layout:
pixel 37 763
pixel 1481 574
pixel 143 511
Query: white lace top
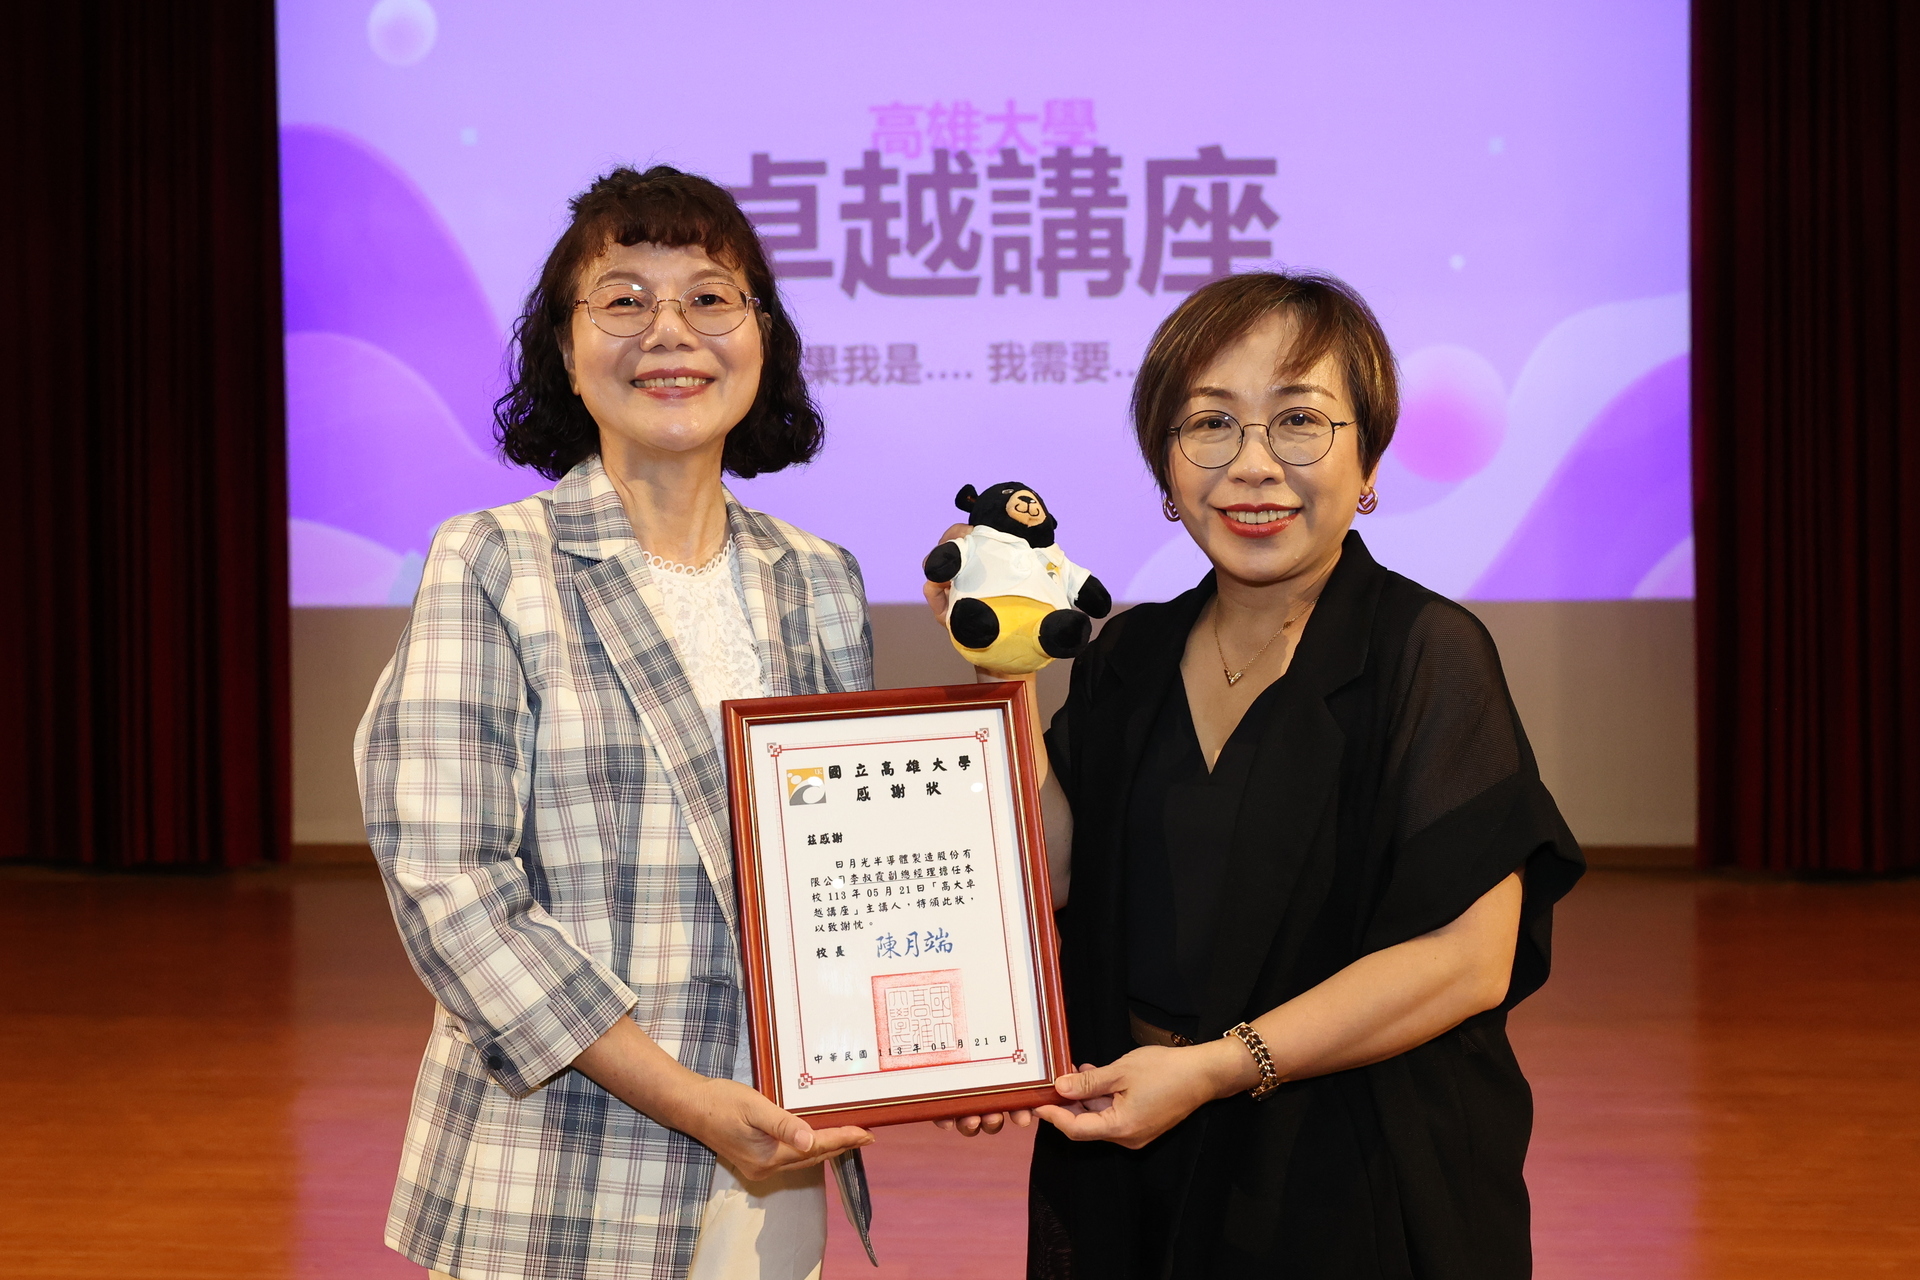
pixel 707 617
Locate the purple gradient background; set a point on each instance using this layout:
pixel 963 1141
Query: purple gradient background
pixel 1505 182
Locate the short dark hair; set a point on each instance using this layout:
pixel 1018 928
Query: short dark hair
pixel 542 424
pixel 1330 316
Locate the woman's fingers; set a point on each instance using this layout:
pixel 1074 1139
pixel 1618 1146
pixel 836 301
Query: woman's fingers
pixel 827 1142
pixel 796 1133
pixel 794 1142
pixel 991 1123
pixel 1084 1126
pixel 784 1128
pixel 758 1138
pixel 1090 1082
pixel 786 1158
pixel 1116 1123
pixel 1101 1103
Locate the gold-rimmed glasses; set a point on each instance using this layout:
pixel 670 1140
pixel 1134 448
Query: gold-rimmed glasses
pixel 1297 437
pixel 625 310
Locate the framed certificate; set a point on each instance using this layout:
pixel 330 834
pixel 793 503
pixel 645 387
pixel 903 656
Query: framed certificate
pixel 895 911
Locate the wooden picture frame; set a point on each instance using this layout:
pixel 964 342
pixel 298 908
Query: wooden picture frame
pixel 895 910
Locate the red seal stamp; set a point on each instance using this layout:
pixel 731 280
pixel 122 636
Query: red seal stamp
pixel 920 1019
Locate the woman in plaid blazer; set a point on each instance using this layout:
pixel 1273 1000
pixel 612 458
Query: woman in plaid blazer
pixel 543 788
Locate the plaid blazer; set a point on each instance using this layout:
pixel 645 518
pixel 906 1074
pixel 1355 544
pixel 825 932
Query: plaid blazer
pixel 549 812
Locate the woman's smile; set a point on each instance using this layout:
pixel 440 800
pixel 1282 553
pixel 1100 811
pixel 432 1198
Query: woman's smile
pixel 1258 520
pixel 673 384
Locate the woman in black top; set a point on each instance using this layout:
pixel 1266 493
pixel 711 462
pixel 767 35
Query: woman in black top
pixel 1305 825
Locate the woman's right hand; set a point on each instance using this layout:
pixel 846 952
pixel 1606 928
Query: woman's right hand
pixel 755 1138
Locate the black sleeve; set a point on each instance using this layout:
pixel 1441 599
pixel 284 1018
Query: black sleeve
pixel 1059 739
pixel 1080 684
pixel 1464 797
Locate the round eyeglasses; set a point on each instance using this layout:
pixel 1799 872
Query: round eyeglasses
pixel 626 310
pixel 1296 437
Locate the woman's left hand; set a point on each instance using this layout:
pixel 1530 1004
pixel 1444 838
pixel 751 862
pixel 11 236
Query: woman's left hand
pixel 1134 1100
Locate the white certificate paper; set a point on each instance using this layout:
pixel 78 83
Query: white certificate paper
pixel 897 929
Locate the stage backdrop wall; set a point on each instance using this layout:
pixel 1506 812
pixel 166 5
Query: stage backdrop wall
pixel 1605 688
pixel 980 214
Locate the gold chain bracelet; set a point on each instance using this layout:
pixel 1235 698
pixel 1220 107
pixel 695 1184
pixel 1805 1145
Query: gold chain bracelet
pixel 1269 1078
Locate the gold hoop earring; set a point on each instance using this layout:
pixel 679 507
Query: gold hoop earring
pixel 1369 502
pixel 1171 512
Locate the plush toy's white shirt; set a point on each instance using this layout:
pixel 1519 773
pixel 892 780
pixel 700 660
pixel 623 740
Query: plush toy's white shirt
pixel 998 564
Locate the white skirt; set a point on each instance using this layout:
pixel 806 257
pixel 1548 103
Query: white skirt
pixel 771 1230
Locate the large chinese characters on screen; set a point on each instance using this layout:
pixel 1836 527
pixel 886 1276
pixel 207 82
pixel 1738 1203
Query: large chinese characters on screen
pixel 957 201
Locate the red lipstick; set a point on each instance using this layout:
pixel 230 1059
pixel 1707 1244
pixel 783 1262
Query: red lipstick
pixel 1267 530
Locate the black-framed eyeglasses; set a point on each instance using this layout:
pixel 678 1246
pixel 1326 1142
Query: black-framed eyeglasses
pixel 626 310
pixel 1297 437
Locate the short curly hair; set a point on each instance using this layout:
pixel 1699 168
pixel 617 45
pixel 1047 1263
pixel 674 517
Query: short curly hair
pixel 1331 318
pixel 541 423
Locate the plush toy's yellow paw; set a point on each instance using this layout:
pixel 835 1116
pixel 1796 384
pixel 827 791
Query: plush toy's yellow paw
pixel 1016 650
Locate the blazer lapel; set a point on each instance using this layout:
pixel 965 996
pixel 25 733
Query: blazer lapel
pixel 624 606
pixel 779 604
pixel 1280 866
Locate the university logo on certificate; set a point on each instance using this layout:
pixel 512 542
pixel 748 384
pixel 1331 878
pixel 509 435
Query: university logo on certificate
pixel 896 918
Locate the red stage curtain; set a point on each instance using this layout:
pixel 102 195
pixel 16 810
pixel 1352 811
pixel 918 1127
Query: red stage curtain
pixel 1806 452
pixel 143 679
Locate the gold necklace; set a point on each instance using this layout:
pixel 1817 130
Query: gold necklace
pixel 1233 677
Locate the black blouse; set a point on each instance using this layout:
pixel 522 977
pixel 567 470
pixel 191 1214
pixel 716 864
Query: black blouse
pixel 1388 787
pixel 1179 826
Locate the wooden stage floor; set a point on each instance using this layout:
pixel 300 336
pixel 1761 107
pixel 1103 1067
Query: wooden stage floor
pixel 209 1078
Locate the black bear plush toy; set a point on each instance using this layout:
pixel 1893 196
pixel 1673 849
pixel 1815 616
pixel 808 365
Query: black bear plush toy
pixel 1017 602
